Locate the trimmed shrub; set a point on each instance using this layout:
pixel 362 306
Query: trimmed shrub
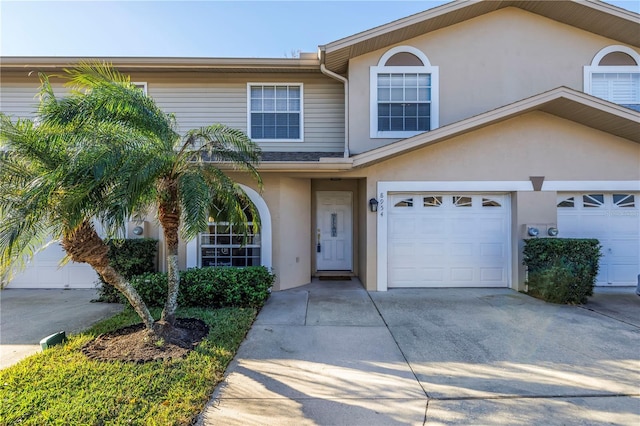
pixel 562 270
pixel 214 287
pixel 130 258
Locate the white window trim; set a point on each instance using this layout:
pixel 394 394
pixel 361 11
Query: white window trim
pixel 141 84
pixel 266 239
pixel 427 68
pixel 594 68
pixel 301 85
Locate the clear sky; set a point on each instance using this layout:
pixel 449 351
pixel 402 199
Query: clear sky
pixel 267 29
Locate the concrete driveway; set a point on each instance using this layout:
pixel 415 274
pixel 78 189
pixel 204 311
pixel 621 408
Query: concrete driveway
pixel 26 316
pixel 332 354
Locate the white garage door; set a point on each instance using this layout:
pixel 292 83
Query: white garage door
pixel 44 271
pixel 448 240
pixel 612 218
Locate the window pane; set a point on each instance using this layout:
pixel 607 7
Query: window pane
pixel 432 201
pixel 269 119
pixel 256 104
pixel 294 92
pixel 281 104
pixel 384 80
pixel 281 92
pixel 593 200
pixel 424 80
pixel 256 119
pixel 397 94
pixel 424 124
pixel 384 94
pixel 256 132
pixel 294 104
pixel 411 94
pixel 282 132
pixel 411 110
pixel 624 200
pixel 397 124
pixel 411 80
pixel 269 92
pixel 397 80
pixel 569 202
pixel 282 119
pixel 294 132
pixel 397 110
pixel 424 94
pixel 410 124
pixel 294 119
pixel 383 124
pixel 269 132
pixel 384 110
pixel 269 105
pixel 256 92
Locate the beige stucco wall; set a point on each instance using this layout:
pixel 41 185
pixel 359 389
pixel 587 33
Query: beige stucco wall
pixel 535 144
pixel 485 63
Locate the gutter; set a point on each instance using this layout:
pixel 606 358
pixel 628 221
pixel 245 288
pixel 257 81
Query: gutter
pixel 345 82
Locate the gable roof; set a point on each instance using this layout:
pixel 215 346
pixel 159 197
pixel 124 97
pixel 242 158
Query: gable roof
pixel 562 102
pixel 590 15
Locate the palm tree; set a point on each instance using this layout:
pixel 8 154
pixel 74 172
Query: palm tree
pixel 53 185
pixel 184 178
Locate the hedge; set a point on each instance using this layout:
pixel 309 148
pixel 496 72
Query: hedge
pixel 130 258
pixel 562 270
pixel 210 287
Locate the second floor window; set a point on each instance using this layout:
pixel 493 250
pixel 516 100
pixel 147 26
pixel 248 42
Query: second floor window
pixel 404 94
pixel 275 112
pixel 614 75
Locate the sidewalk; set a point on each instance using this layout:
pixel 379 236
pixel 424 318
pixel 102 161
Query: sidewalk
pixel 332 354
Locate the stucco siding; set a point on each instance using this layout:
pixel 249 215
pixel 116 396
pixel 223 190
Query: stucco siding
pixel 534 144
pixel 485 63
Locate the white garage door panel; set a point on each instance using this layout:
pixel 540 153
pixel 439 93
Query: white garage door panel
pixel 44 271
pixel 613 219
pixel 459 242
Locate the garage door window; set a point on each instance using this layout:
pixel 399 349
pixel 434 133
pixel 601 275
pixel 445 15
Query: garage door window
pixel 567 203
pixel 462 201
pixel 432 201
pixel 593 200
pixel 489 202
pixel 624 200
pixel 407 202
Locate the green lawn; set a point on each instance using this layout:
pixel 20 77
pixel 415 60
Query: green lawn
pixel 62 387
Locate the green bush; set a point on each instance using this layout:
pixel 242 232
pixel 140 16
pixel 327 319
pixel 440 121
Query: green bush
pixel 210 287
pixel 130 258
pixel 562 270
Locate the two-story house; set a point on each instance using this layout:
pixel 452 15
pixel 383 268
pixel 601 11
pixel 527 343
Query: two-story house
pixel 415 154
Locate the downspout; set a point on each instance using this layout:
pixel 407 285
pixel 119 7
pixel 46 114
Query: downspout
pixel 344 81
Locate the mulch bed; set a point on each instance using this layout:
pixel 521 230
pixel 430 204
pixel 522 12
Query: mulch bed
pixel 132 344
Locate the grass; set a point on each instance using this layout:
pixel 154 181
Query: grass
pixel 60 386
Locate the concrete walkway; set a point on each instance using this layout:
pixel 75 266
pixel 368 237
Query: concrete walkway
pixel 332 354
pixel 27 315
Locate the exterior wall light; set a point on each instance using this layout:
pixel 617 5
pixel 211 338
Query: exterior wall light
pixel 533 232
pixel 373 205
pixel 138 230
pixel 553 232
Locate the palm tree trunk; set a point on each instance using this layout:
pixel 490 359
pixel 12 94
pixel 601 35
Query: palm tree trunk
pixel 169 217
pixel 84 245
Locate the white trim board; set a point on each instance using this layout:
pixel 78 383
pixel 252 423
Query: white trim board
pixel 265 233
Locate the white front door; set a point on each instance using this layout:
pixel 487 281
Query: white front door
pixel 334 231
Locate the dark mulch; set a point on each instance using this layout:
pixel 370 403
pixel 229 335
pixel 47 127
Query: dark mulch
pixel 133 343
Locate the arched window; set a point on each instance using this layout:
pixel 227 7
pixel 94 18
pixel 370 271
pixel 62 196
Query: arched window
pixel 614 75
pixel 404 94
